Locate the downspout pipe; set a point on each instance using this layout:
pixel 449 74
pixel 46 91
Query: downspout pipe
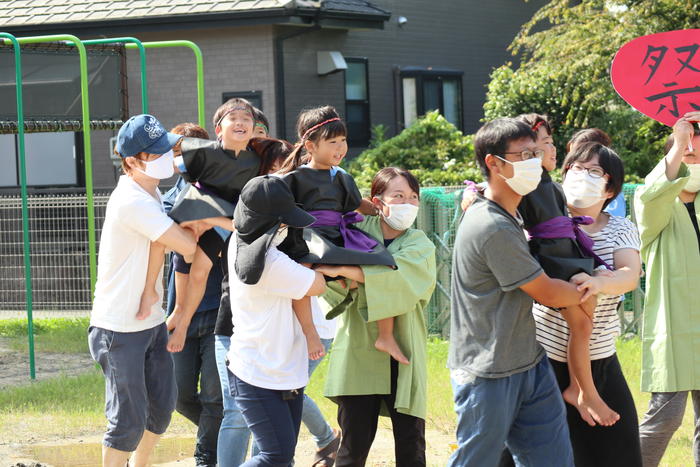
pixel 279 77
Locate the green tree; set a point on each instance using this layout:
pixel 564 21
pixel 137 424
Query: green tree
pixel 565 52
pixel 432 148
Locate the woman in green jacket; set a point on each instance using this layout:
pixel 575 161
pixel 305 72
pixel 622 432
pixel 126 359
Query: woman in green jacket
pixel 362 380
pixel 667 208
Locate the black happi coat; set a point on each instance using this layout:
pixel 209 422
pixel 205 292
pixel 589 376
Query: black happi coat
pixel 560 258
pixel 314 190
pixel 220 172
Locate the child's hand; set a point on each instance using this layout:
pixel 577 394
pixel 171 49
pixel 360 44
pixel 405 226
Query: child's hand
pixel 367 208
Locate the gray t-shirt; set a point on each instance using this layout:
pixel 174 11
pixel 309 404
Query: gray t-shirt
pixel 492 332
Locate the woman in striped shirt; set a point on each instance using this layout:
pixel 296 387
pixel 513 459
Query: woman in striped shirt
pixel 617 243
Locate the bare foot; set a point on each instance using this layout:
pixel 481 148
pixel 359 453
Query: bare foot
pixel 149 297
pixel 570 396
pixel 315 347
pixel 390 346
pixel 176 341
pixel 599 410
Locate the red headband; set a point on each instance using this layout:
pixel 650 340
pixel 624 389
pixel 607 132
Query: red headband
pixel 315 127
pixel 537 125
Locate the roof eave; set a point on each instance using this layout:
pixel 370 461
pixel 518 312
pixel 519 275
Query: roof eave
pixel 276 16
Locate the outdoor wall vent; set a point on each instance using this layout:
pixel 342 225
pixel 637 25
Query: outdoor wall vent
pixel 329 62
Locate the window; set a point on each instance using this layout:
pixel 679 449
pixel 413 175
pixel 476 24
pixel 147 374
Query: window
pixel 254 97
pixel 357 102
pixel 50 159
pixel 425 89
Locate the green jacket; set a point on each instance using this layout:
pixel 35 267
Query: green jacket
pixel 356 367
pixel 671 323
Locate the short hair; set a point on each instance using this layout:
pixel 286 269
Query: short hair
pixel 387 174
pixel 535 121
pixel 260 117
pixel 670 140
pixel 494 136
pixel 588 135
pixel 608 160
pixel 228 107
pixel 191 130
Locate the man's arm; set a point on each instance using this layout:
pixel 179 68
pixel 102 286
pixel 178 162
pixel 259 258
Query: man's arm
pixel 179 239
pixel 553 293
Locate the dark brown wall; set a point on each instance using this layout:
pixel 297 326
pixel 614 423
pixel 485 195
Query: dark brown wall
pixel 467 35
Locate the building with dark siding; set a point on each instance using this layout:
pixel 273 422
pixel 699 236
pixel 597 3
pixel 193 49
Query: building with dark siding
pixel 379 62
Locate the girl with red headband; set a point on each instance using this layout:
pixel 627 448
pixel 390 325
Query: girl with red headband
pixel 330 194
pixel 561 248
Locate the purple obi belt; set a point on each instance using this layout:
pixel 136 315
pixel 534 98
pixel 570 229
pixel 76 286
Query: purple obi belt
pixel 568 227
pixel 353 239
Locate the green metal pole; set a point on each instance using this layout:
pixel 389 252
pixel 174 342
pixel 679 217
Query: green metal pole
pixel 199 64
pixel 142 53
pixel 92 251
pixel 25 204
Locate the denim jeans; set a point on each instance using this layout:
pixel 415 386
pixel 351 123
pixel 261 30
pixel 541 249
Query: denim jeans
pixel 274 420
pixel 524 411
pixel 234 434
pixel 311 415
pixel 139 384
pixel 199 390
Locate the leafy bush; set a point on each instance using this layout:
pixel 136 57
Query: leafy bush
pixel 565 53
pixel 433 149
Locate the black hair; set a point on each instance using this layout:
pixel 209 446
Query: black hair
pixel 608 160
pixel 260 117
pixel 308 129
pixel 494 136
pixel 535 121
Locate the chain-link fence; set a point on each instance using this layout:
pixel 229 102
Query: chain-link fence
pixel 59 252
pixel 438 218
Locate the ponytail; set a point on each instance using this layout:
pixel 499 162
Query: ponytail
pixel 295 159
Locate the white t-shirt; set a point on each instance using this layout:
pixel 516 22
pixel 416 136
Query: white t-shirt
pixel 324 327
pixel 134 218
pixel 552 330
pixel 268 347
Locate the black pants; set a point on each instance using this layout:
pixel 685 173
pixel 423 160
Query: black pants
pixel 599 446
pixel 358 417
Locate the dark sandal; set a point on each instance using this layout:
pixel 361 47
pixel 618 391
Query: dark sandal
pixel 326 457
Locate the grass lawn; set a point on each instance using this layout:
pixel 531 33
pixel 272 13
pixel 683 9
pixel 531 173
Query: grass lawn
pixel 72 406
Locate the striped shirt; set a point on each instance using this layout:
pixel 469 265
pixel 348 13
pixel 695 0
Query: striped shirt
pixel 552 330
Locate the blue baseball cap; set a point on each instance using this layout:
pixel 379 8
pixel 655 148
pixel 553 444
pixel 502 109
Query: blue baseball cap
pixel 144 133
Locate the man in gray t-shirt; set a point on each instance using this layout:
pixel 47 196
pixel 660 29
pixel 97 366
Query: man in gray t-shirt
pixel 505 392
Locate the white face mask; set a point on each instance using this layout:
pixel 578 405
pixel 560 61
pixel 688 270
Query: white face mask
pixel 160 168
pixel 280 236
pixel 693 185
pixel 401 216
pixel 526 175
pixel 582 190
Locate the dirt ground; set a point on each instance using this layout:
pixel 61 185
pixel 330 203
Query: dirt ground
pixel 175 451
pixel 176 447
pixel 14 366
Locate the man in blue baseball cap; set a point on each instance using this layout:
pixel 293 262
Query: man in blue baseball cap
pixel 139 380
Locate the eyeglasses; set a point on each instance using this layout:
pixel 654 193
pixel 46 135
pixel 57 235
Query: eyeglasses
pixel 595 172
pixel 527 154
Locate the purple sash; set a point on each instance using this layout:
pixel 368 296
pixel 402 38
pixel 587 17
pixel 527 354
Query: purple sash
pixel 568 227
pixel 354 239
